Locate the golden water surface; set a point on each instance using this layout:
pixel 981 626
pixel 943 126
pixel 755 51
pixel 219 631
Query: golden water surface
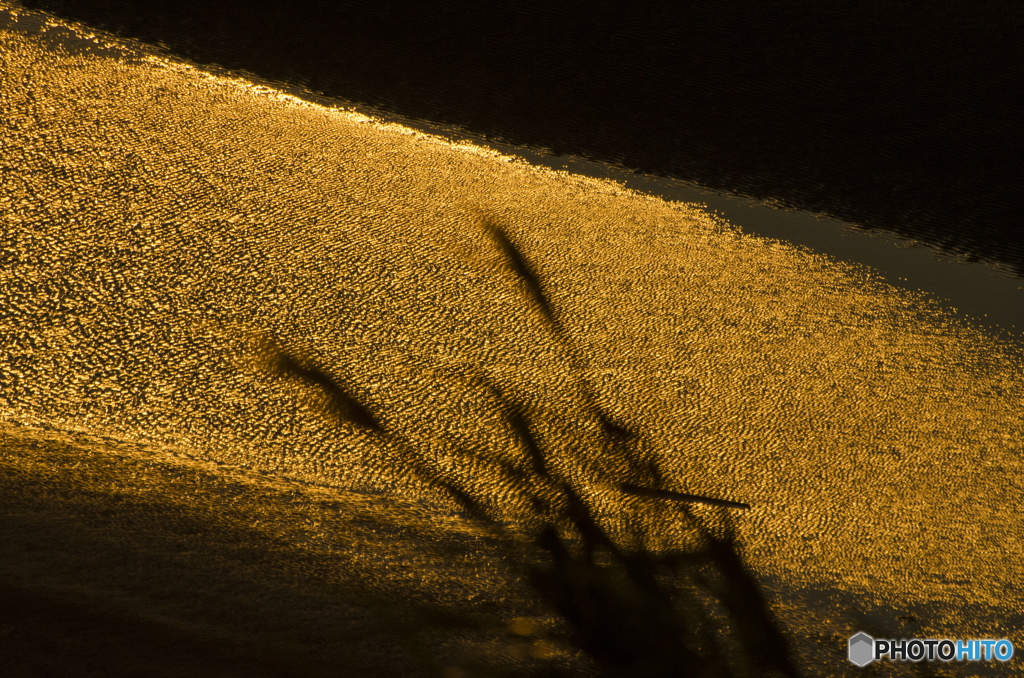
pixel 155 218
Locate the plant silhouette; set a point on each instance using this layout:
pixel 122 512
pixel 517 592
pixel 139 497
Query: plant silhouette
pixel 637 608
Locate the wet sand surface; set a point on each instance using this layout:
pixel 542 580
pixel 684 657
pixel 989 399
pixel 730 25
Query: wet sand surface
pixel 157 218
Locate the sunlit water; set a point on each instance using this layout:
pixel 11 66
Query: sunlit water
pixel 157 218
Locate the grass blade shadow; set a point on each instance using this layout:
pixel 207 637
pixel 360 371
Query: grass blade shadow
pixel 524 271
pixel 342 403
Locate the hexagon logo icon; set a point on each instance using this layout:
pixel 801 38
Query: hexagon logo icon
pixel 862 649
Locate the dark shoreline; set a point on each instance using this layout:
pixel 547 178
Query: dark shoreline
pixel 887 115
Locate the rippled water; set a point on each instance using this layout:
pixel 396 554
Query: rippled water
pixel 157 218
pixel 884 114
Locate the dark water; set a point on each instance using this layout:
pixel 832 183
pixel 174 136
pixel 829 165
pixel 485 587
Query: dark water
pixel 892 115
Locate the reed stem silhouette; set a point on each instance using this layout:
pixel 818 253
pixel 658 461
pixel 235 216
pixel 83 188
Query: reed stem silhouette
pixel 637 611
